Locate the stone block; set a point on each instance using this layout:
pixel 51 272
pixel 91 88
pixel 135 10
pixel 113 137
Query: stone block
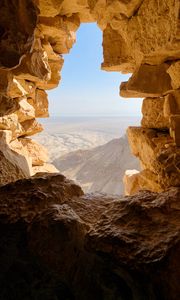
pixel 158 154
pixel 175 128
pixel 153 114
pixel 174 73
pixel 147 81
pixel 135 181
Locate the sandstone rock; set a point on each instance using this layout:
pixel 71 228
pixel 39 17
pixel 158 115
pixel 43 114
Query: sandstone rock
pixel 158 153
pixel 174 72
pixel 8 106
pixel 49 8
pixel 18 88
pixel 89 247
pixel 25 111
pixel 151 33
pixel 153 113
pixel 10 122
pixel 15 155
pixel 104 11
pixel 45 168
pixel 131 184
pixel 135 181
pixel 172 104
pixel 30 127
pixel 37 152
pixel 8 171
pixel 56 29
pixel 13 87
pixel 172 111
pixel 40 104
pixel 175 128
pixel 55 62
pixel 147 81
pixel 76 6
pixel 116 58
pixel 34 67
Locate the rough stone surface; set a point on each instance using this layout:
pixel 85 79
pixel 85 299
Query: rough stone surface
pixel 61 244
pixel 135 181
pixel 37 152
pixel 148 81
pixel 174 71
pixel 158 153
pixel 8 171
pixel 153 113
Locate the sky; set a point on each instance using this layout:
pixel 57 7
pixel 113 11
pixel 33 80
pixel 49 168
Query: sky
pixel 86 90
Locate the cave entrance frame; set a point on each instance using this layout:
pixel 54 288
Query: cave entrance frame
pixel 35 33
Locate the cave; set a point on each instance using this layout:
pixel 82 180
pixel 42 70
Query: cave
pixel 56 242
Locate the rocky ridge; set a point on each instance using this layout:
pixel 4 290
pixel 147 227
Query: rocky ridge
pixel 111 161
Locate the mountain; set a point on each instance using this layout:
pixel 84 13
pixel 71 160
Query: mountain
pixel 99 169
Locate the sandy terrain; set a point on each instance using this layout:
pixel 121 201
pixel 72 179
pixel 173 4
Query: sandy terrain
pixel 64 135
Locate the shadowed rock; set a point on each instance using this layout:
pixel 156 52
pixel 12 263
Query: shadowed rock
pixel 57 243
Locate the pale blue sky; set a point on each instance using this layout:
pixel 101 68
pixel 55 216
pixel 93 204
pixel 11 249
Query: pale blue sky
pixel 86 90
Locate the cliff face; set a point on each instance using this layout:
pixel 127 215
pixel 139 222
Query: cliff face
pixel 139 37
pixel 61 244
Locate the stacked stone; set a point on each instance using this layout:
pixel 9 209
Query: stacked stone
pixel 139 37
pixel 142 37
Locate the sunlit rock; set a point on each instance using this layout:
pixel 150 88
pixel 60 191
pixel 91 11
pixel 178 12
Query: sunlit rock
pixel 37 152
pixel 158 153
pixel 153 113
pixel 147 81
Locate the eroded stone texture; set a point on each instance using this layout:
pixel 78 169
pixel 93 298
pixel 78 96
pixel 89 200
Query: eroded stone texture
pixel 139 37
pixel 153 113
pixel 148 81
pixel 62 244
pixel 8 171
pixel 37 152
pixel 158 154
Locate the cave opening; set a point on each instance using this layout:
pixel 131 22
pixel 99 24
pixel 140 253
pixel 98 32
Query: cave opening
pixel 57 242
pixel 86 90
pixel 85 133
pixel 45 33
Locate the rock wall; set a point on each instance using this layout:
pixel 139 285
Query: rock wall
pixel 139 37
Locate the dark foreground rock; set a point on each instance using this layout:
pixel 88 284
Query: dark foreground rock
pixel 58 244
